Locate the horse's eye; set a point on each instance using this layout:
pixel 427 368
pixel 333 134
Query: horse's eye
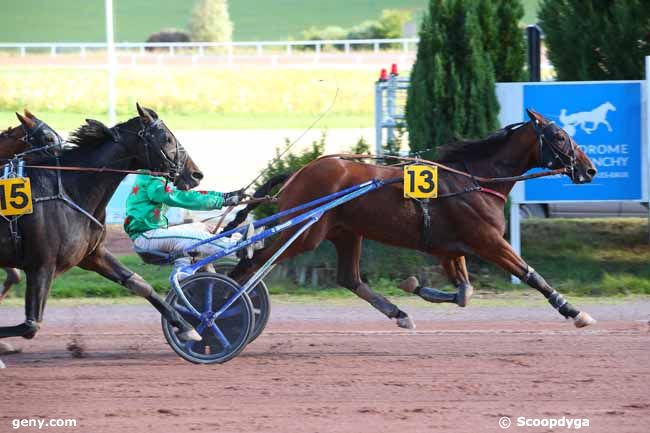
pixel 50 138
pixel 559 137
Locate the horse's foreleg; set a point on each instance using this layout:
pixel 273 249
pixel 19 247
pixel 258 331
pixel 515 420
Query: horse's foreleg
pixel 108 266
pixel 348 250
pixel 501 253
pixel 456 271
pixel 13 277
pixel 609 127
pixel 38 286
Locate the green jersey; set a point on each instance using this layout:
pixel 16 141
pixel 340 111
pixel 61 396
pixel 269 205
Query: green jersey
pixel 152 196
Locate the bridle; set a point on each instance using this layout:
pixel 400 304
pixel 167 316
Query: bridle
pixel 550 155
pixel 34 137
pixel 172 167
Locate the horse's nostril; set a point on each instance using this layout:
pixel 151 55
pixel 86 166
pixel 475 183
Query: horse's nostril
pixel 197 175
pixel 592 172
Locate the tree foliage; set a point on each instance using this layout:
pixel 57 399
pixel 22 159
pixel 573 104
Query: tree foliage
pixel 210 21
pixel 388 26
pixel 508 50
pixel 290 162
pixel 596 39
pixel 452 91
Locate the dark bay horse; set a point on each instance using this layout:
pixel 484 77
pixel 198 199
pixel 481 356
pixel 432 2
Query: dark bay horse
pixel 467 221
pixel 66 228
pixel 30 135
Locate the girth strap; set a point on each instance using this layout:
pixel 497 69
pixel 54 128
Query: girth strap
pixel 427 233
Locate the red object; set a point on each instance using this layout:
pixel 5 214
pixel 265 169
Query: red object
pixel 127 220
pixel 383 76
pixel 203 192
pixel 135 190
pixel 393 69
pixel 156 213
pixel 168 188
pixel 494 193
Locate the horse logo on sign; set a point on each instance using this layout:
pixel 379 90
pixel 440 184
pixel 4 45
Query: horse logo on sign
pixel 595 117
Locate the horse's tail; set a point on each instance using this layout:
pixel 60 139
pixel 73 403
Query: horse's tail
pixel 262 191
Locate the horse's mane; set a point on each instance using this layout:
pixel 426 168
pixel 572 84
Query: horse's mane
pixel 9 130
pixel 471 150
pixel 93 133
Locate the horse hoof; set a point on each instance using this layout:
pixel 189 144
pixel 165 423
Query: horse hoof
pixel 190 335
pixel 409 285
pixel 7 349
pixel 30 328
pixel 406 322
pixel 583 319
pixel 2 365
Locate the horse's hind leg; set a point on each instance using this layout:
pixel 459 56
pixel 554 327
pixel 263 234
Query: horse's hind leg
pixel 107 265
pixel 348 250
pixel 501 253
pixel 13 277
pixel 456 271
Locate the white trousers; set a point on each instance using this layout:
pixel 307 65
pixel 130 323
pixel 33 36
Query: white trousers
pixel 177 238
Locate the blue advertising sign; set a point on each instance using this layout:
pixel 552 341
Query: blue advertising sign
pixel 605 120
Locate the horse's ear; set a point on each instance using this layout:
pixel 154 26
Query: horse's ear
pixel 29 114
pixel 535 117
pixel 27 122
pixel 96 124
pixel 144 115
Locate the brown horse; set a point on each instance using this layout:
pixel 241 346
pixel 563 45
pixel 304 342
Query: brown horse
pixel 31 134
pixel 466 219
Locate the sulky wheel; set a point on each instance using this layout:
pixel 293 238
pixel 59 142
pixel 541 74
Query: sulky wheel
pixel 259 296
pixel 223 339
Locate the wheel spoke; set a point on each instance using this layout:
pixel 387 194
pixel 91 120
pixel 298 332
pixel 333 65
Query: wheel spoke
pixel 186 311
pixel 222 338
pixel 207 297
pixel 230 312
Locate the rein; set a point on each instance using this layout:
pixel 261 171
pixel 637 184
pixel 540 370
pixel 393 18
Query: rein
pixel 452 170
pixel 353 156
pixel 98 170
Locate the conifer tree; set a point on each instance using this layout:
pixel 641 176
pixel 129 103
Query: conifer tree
pixel 452 92
pixel 596 39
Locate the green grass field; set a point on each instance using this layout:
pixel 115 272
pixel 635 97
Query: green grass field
pixel 83 20
pixel 198 99
pixel 68 121
pixel 585 257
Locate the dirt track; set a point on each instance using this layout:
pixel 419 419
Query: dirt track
pixel 338 368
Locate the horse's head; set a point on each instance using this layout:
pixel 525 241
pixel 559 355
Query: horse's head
pixel 163 152
pixel 36 134
pixel 609 106
pixel 557 150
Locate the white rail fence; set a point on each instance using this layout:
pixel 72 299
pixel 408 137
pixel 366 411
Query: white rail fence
pixel 260 48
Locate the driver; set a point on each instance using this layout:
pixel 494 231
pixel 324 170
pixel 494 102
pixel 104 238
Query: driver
pixel 147 225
